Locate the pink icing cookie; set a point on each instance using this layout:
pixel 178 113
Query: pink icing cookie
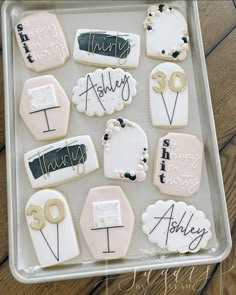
pixel 45 108
pixel 41 41
pixel 178 166
pixel 107 222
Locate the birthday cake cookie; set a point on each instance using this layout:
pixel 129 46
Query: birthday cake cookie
pixel 166 33
pixel 61 161
pixel 41 41
pixel 45 108
pixel 177 227
pixel 104 92
pixel 107 48
pixel 178 164
pixel 125 150
pixel 51 228
pixel 168 94
pixel 107 222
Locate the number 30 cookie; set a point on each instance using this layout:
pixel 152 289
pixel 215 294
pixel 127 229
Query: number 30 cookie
pixel 166 33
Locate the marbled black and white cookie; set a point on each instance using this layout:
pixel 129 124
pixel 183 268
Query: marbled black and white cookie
pixel 125 150
pixel 166 33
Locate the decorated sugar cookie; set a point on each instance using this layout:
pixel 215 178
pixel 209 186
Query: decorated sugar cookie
pixel 61 161
pixel 104 92
pixel 178 165
pixel 107 222
pixel 51 227
pixel 125 150
pixel 107 48
pixel 45 107
pixel 177 227
pixel 168 91
pixel 166 33
pixel 41 41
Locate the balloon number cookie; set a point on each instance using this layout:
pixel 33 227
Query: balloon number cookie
pixel 51 228
pixel 168 91
pixel 166 33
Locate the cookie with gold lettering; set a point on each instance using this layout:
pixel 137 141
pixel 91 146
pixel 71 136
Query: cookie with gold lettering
pixel 61 161
pixel 41 41
pixel 178 165
pixel 51 227
pixel 177 227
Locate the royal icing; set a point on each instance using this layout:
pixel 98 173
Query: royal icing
pixel 178 165
pixel 41 41
pixel 61 161
pixel 177 227
pixel 107 222
pixel 166 33
pixel 51 227
pixel 104 92
pixel 45 108
pixel 125 150
pixel 107 48
pixel 168 91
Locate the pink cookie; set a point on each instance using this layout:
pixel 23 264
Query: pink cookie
pixel 45 108
pixel 178 164
pixel 41 41
pixel 107 222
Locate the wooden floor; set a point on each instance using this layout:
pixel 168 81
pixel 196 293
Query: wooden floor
pixel 218 21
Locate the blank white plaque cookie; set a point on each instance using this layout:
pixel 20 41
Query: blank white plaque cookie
pixel 107 48
pixel 166 33
pixel 104 92
pixel 107 222
pixel 51 227
pixel 41 41
pixel 178 164
pixel 61 161
pixel 125 150
pixel 168 94
pixel 45 107
pixel 177 227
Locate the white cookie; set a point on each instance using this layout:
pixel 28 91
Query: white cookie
pixel 107 48
pixel 45 107
pixel 168 91
pixel 104 92
pixel 107 222
pixel 41 41
pixel 61 161
pixel 125 150
pixel 51 227
pixel 166 33
pixel 177 227
pixel 178 165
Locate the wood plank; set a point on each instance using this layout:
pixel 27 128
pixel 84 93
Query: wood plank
pixel 3 209
pixel 9 286
pixel 222 76
pixel 224 280
pixel 217 18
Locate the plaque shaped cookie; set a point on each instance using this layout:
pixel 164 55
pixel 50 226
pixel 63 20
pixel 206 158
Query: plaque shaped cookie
pixel 107 222
pixel 104 92
pixel 107 48
pixel 51 227
pixel 45 107
pixel 178 164
pixel 61 161
pixel 168 91
pixel 125 150
pixel 41 41
pixel 166 33
pixel 177 227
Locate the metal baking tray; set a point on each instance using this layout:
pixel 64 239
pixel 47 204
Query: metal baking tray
pixel 116 16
